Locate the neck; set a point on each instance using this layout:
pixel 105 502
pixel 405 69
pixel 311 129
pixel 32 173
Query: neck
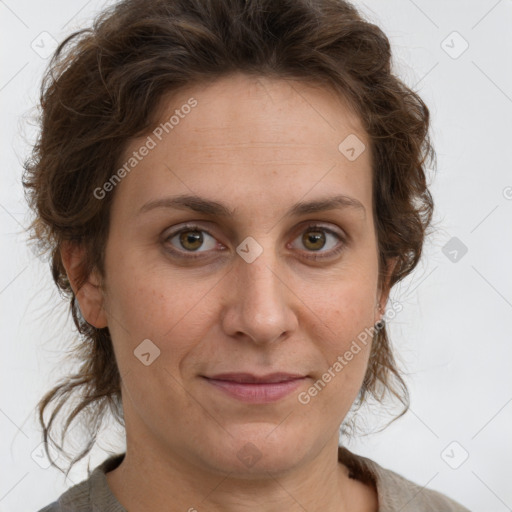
pixel 145 480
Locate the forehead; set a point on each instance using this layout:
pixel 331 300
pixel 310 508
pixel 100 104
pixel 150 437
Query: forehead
pixel 260 108
pixel 251 133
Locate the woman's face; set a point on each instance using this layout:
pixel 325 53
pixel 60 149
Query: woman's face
pixel 241 292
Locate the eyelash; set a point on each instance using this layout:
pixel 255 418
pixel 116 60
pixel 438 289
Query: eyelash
pixel 311 227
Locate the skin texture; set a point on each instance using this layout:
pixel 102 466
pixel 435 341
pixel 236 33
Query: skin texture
pixel 258 145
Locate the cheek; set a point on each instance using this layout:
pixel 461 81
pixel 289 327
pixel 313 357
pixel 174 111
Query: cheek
pixel 342 328
pixel 163 307
pixel 171 314
pixel 344 310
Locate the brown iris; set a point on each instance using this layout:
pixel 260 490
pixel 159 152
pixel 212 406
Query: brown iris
pixel 196 238
pixel 313 236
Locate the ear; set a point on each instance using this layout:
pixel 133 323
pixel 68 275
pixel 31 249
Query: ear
pixel 384 289
pixel 90 296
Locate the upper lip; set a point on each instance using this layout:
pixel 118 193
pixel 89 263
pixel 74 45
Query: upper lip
pixel 251 378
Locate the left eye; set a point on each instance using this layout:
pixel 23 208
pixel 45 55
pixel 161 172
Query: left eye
pixel 314 238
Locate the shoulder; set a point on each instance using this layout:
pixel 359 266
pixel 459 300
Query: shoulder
pixel 90 495
pixel 402 494
pixel 76 499
pixel 52 507
pixel 396 492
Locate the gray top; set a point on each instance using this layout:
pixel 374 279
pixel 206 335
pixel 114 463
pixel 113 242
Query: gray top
pixel 395 493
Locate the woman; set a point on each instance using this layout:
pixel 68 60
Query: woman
pixel 228 190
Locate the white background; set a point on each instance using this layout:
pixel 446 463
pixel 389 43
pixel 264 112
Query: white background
pixel 454 333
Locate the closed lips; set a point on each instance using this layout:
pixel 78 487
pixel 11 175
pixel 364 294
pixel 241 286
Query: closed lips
pixel 248 378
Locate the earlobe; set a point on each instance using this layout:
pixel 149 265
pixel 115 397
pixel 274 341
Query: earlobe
pixel 382 298
pixel 90 295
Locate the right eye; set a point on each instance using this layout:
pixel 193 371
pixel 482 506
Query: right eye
pixel 190 238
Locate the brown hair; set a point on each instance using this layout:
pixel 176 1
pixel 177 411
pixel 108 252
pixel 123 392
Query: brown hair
pixel 102 87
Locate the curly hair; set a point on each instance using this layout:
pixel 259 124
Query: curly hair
pixel 103 86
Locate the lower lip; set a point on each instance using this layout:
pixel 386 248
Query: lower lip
pixel 257 393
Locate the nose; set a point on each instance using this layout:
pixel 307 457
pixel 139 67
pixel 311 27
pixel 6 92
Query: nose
pixel 261 305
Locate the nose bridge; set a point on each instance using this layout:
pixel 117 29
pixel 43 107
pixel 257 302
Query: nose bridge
pixel 259 283
pixel 261 299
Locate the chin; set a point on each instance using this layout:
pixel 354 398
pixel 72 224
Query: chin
pixel 256 449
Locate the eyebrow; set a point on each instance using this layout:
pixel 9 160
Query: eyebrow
pixel 214 208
